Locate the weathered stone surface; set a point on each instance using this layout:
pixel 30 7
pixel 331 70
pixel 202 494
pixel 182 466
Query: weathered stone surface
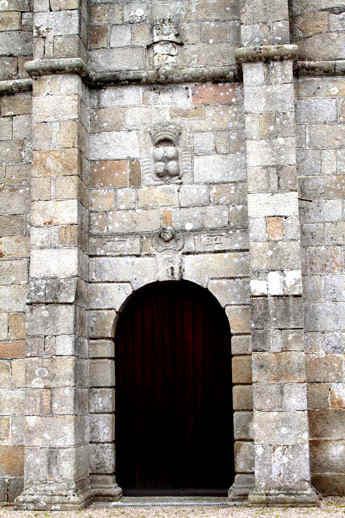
pixel 202 267
pixel 244 457
pixel 242 397
pixel 110 296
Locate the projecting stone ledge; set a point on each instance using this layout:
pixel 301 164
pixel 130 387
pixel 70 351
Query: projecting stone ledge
pixel 266 53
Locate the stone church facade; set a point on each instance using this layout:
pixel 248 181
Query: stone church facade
pixel 155 140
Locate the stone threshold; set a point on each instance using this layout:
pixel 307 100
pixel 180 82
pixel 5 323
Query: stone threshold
pixel 166 501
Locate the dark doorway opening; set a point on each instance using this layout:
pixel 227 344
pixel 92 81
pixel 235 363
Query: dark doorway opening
pixel 174 423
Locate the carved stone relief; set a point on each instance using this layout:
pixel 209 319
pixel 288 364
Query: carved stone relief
pixel 165 152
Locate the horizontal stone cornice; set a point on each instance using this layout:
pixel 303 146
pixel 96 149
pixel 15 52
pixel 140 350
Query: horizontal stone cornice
pixel 94 78
pixel 320 68
pixel 266 53
pixel 15 86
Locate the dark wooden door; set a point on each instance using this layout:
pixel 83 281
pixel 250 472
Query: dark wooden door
pixel 173 393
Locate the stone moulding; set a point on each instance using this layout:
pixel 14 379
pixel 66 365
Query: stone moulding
pixel 41 67
pixel 94 79
pixel 266 53
pixel 15 86
pixel 320 68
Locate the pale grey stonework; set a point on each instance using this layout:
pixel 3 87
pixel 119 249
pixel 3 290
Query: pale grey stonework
pixel 254 96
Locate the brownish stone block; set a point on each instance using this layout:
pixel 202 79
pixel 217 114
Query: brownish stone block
pixel 134 173
pixel 242 397
pixel 4 428
pixel 326 424
pixel 196 112
pixel 16 324
pixel 109 173
pixel 242 369
pixel 327 456
pixel 329 484
pixel 56 162
pixel 223 93
pixel 11 461
pixel 9 350
pixel 68 235
pixel 275 228
pixel 98 36
pixel 311 23
pixel 328 368
pixel 166 217
pixel 18 104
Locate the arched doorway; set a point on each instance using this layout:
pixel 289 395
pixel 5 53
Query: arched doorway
pixel 174 431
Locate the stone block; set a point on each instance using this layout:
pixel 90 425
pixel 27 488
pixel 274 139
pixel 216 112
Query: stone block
pixel 243 425
pixel 54 263
pixel 15 487
pixel 276 204
pixel 200 217
pixel 107 119
pixel 101 324
pixel 13 272
pixel 160 196
pixel 279 367
pixel 102 373
pixel 62 212
pixel 242 397
pixel 125 57
pixel 275 255
pixel 221 93
pixel 276 152
pixel 12 401
pixel 114 246
pixel 244 457
pixel 102 458
pixel 101 400
pixel 241 344
pixel 329 484
pixel 109 173
pixel 138 271
pixel 55 163
pixel 326 424
pixel 57 431
pixel 4 429
pixel 12 298
pixel 242 369
pixel 326 456
pixel 239 319
pixel 14 246
pixel 11 151
pixel 102 428
pixel 201 267
pixel 270 397
pixel 55 108
pixel 316 110
pixel 318 395
pixel 278 466
pixel 218 168
pixel 321 368
pixel 108 296
pixel 10 350
pixel 326 136
pixel 269 98
pixel 11 461
pixel 101 349
pixel 281 428
pixel 230 291
pixel 113 145
pixel 50 320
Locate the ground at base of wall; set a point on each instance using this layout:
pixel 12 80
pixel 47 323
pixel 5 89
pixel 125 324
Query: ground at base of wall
pixel 331 506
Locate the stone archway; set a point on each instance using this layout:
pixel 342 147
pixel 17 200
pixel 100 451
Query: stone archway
pixel 173 392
